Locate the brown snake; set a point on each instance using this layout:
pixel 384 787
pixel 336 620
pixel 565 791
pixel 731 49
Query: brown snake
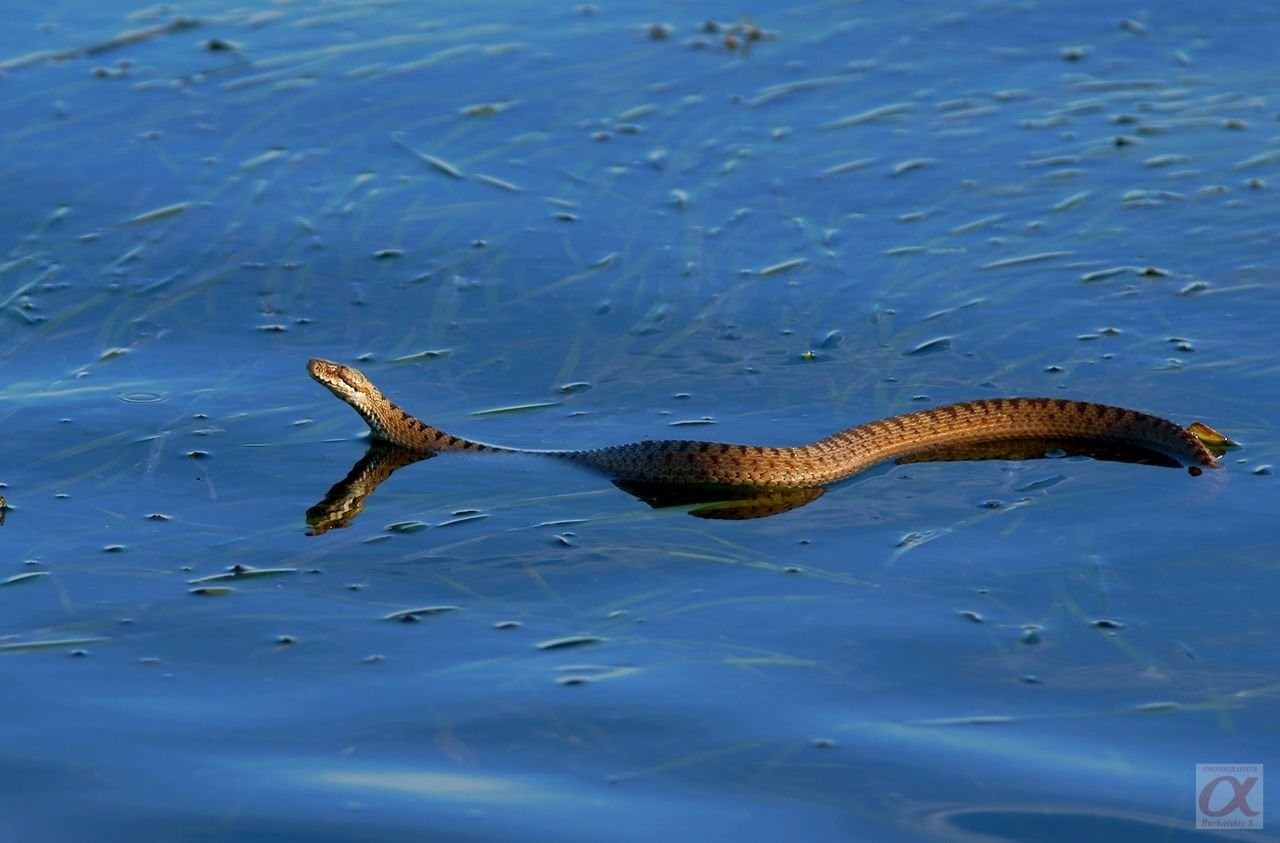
pixel 971 424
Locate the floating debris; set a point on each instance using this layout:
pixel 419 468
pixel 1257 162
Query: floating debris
pixel 784 266
pixel 1075 200
pixel 48 644
pixel 417 613
pixel 1104 274
pixel 515 408
pixel 981 222
pixel 1165 160
pixel 243 572
pixel 429 354
pixel 907 166
pixel 870 115
pixel 1043 483
pixel 1261 159
pixel 273 154
pixel 1021 260
pixel 406 527
pixel 933 346
pixel 494 181
pixel 1150 198
pixel 439 164
pixel 158 214
pixel 463 519
pixel 569 641
pixel 16 579
pixel 637 112
pixel 485 109
pixel 847 167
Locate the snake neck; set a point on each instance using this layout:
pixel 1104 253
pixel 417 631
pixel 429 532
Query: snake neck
pixel 389 422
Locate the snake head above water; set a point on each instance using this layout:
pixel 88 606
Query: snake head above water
pixel 343 381
pixel 352 387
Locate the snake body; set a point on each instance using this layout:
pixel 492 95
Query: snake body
pixel 971 424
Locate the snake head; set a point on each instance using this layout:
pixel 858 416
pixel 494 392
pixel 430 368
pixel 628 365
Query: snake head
pixel 343 381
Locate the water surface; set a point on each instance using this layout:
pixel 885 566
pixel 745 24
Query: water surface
pixel 869 209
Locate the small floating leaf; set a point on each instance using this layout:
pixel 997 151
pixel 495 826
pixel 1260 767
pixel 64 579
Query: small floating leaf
pixel 19 646
pixel 494 181
pixel 891 110
pixel 1268 157
pixel 1075 200
pixel 407 527
pixel 429 354
pixel 485 109
pixel 847 167
pixel 405 614
pixel 1024 259
pixel 976 720
pixel 516 408
pixel 241 572
pixel 637 112
pixel 1104 274
pixel 21 578
pixel 568 641
pixel 463 519
pixel 264 158
pixel 441 165
pixel 161 213
pixel 1043 483
pixel 933 346
pixel 917 538
pixel 784 266
pixel 909 165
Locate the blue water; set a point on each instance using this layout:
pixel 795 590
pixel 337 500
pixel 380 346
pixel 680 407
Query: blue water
pixel 869 209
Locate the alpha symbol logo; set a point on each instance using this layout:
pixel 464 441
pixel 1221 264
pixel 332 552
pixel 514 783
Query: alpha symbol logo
pixel 1228 796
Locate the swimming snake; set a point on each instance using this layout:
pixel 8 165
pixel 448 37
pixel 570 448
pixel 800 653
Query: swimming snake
pixel 978 429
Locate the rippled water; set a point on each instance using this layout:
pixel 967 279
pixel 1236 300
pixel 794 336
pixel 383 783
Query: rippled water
pixel 561 227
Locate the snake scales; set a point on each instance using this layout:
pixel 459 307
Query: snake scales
pixel 936 433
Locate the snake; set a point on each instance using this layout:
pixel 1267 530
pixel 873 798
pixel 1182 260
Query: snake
pixel 969 426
